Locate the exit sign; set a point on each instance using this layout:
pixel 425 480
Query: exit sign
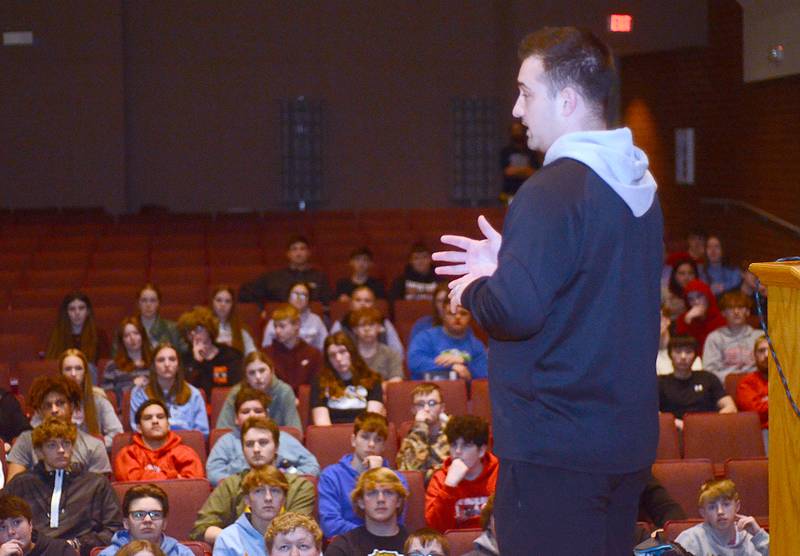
pixel 620 23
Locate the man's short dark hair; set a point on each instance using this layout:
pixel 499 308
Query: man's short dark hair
pixel 419 247
pixel 144 491
pixel 469 428
pixel 361 252
pixel 137 418
pixel 573 57
pixel 263 423
pixel 13 506
pixel 678 342
pixel 297 238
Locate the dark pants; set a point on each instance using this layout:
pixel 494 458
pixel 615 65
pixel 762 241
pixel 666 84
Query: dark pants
pixel 545 511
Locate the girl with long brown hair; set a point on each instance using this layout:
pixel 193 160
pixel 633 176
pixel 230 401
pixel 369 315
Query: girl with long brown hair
pixel 231 330
pixel 95 415
pixel 131 364
pixel 187 409
pixel 345 386
pixel 76 328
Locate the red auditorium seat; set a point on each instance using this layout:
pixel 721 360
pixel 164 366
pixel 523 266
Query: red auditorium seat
pixel 233 256
pixel 408 311
pixel 732 381
pixel 330 443
pixel 66 278
pixel 39 298
pixel 20 347
pixel 480 403
pixel 234 274
pixel 108 317
pixel 5 374
pixel 192 494
pixel 460 540
pixel 169 258
pixel 218 397
pixel 751 476
pixel 26 372
pixel 683 479
pixel 179 276
pixel 415 504
pixel 215 435
pixel 668 440
pixel 110 277
pixel 720 437
pixel 398 398
pixel 57 260
pixel 115 295
pixel 304 404
pixel 121 244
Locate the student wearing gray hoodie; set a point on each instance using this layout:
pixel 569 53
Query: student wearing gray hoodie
pixel 572 282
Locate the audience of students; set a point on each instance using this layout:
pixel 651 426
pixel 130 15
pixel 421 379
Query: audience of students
pixel 227 458
pixel 459 489
pixel 145 509
pixel 378 499
pixel 312 329
pixel 345 386
pixel 68 501
pixel 131 364
pixel 207 364
pixel 260 443
pixel 425 447
pixel 259 375
pixel 724 530
pixel 685 390
pixel 449 351
pixel 360 261
pixel 275 285
pixel 296 360
pixel 337 481
pixel 230 330
pixel 57 397
pixel 264 492
pixel 76 328
pixel 186 407
pixel 156 452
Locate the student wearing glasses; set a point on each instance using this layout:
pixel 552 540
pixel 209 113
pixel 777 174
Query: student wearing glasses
pixel 425 447
pixel 145 508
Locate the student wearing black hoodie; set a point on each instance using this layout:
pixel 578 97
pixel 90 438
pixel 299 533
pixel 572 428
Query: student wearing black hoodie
pixel 418 279
pixel 572 282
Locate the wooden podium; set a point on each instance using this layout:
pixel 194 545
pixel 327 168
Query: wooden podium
pixel 783 283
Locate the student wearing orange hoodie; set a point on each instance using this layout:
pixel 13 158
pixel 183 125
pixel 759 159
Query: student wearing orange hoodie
pixel 156 452
pixel 459 489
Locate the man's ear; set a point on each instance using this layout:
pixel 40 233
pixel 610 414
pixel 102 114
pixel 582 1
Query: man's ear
pixel 39 453
pixel 360 502
pixel 568 99
pixel 482 451
pixel 353 440
pixel 126 523
pixel 702 511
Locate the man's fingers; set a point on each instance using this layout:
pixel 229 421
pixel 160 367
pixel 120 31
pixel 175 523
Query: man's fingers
pixel 488 231
pixel 450 256
pixel 457 241
pixel 451 270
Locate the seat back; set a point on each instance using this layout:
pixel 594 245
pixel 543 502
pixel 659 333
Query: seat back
pixel 329 443
pixel 480 402
pixel 415 503
pixel 674 528
pixel 304 404
pixel 732 381
pixel 461 540
pixel 668 440
pixel 720 437
pixel 218 396
pixel 187 497
pixel 399 400
pixel 27 371
pixel 215 435
pixel 751 476
pixel 682 479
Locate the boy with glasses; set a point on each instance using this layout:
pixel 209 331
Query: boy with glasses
pixel 457 492
pixel 145 508
pixel 425 447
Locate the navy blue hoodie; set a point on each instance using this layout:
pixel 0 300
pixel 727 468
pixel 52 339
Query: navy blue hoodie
pixel 573 311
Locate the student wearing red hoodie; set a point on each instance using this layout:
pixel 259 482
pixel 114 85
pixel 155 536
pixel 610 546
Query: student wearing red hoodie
pixel 459 489
pixel 157 452
pixel 703 315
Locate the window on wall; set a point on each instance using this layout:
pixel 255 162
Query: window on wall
pixel 302 176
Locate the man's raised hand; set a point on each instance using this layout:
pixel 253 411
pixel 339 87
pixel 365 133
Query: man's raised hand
pixel 477 258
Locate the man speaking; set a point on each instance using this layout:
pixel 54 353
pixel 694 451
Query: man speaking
pixel 569 295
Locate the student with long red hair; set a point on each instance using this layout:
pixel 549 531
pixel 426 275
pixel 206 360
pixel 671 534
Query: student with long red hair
pixel 131 364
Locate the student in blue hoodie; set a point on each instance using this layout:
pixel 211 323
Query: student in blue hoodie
pixel 264 493
pixel 227 458
pixel 337 481
pixel 437 352
pixel 145 508
pixel 572 282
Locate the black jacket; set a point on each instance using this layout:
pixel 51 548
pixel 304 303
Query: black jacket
pixel 12 418
pixel 89 510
